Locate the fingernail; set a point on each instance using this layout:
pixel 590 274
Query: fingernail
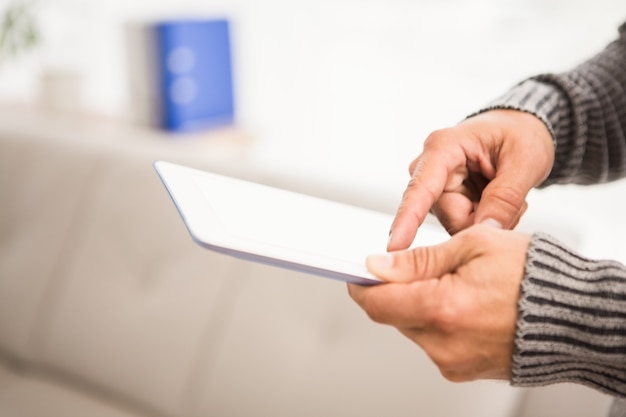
pixel 492 223
pixel 380 262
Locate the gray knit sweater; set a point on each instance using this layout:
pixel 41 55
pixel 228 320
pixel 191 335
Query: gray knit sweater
pixel 572 310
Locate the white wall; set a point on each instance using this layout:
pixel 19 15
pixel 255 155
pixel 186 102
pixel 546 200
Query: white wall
pixel 356 84
pixel 336 62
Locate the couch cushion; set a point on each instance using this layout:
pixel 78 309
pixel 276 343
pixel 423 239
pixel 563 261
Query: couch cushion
pixel 41 189
pixel 33 395
pixel 137 296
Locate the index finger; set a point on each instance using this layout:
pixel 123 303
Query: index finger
pixel 428 181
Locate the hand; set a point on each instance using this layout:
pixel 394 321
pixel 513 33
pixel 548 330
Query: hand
pixel 457 300
pixel 478 171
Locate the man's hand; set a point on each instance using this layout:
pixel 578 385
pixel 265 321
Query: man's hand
pixel 457 300
pixel 479 171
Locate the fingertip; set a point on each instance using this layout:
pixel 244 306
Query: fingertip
pixel 389 267
pixel 391 243
pixel 400 239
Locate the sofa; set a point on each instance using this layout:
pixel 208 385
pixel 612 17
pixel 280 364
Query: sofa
pixel 108 309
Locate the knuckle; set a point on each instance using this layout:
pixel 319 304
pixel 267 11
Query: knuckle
pixel 375 316
pixel 446 318
pixel 454 365
pixel 448 364
pixel 441 314
pixel 435 138
pixel 454 375
pixel 367 301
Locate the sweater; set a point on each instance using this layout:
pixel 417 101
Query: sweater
pixel 571 324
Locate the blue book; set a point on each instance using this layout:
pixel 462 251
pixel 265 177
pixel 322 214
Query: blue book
pixel 196 79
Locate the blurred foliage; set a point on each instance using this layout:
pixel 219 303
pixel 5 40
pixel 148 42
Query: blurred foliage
pixel 18 29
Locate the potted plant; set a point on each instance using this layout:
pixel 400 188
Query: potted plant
pixel 18 29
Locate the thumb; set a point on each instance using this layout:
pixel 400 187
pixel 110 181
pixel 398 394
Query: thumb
pixel 503 201
pixel 416 264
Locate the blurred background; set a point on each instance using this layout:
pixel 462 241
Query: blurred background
pixel 355 84
pixel 331 98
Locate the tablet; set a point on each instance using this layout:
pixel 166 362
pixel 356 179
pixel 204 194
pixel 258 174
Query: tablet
pixel 263 224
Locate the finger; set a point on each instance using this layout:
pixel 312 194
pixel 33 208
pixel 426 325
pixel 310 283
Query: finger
pixel 433 170
pixel 503 201
pixel 425 187
pixel 417 264
pixel 399 305
pixel 454 211
pixel 519 217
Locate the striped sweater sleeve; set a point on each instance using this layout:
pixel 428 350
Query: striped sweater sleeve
pixel 585 110
pixel 572 310
pixel 572 320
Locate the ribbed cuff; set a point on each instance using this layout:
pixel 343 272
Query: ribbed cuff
pixel 572 320
pixel 531 96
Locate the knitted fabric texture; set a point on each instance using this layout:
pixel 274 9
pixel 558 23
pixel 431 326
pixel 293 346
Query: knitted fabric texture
pixel 572 320
pixel 572 310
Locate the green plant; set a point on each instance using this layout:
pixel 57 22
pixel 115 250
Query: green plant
pixel 18 29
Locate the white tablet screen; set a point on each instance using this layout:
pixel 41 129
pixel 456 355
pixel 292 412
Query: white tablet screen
pixel 279 227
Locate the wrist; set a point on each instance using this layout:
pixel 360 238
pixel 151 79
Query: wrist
pixel 533 97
